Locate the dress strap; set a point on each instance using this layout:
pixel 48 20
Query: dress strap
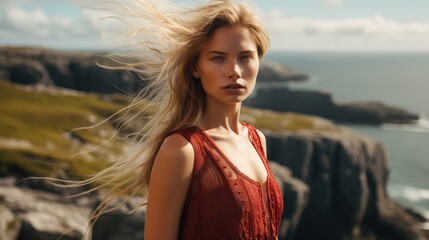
pixel 256 140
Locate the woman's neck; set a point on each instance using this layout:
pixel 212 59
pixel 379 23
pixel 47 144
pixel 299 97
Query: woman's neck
pixel 225 117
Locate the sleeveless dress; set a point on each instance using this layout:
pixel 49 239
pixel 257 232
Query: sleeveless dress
pixel 222 202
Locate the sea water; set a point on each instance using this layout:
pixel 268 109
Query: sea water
pixel 398 79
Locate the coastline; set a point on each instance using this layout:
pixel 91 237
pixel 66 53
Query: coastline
pixel 323 149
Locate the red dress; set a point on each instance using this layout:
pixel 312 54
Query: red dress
pixel 222 202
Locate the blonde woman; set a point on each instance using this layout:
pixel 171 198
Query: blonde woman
pixel 206 172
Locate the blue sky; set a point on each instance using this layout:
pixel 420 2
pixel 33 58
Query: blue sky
pixel 330 25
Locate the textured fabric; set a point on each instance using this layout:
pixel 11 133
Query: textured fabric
pixel 224 203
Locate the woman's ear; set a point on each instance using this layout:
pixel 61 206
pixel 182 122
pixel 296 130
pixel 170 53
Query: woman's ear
pixel 195 73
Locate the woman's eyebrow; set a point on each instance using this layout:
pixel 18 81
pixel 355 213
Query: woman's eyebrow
pixel 217 52
pixel 224 53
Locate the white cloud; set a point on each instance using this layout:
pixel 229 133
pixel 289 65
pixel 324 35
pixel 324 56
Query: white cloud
pixel 21 26
pixel 374 32
pixel 32 23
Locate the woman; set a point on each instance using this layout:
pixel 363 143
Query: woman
pixel 206 172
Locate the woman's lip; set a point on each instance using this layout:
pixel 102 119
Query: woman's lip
pixel 233 86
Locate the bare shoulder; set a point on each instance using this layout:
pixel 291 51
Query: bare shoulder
pixel 176 143
pixel 176 150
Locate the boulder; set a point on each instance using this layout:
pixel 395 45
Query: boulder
pixel 9 224
pixel 127 226
pixel 45 216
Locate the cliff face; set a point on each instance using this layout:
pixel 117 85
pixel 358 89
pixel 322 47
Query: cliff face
pixel 346 175
pixel 73 70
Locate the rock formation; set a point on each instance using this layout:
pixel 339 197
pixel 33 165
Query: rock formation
pixel 38 215
pixel 346 175
pixel 74 70
pixel 322 104
pixel 79 71
pixel 270 72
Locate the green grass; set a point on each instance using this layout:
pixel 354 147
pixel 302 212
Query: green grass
pixel 39 117
pixel 286 122
pixel 45 120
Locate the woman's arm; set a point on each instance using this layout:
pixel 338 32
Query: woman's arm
pixel 169 183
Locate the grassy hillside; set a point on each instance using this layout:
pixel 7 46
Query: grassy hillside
pixel 36 137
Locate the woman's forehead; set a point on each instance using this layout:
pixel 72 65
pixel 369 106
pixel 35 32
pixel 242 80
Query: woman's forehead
pixel 235 38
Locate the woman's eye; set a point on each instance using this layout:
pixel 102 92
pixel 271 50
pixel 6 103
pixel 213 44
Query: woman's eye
pixel 245 58
pixel 218 58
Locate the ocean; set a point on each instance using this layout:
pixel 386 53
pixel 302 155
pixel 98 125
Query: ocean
pixel 398 79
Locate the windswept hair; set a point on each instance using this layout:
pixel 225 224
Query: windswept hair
pixel 166 52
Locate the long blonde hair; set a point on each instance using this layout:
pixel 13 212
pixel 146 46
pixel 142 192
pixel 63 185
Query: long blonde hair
pixel 172 95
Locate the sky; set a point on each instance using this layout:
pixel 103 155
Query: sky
pixel 293 25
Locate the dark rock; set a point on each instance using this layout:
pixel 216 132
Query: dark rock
pixel 92 78
pixel 78 71
pixel 372 113
pixel 347 176
pixel 107 81
pixel 30 72
pixel 295 198
pixel 322 104
pixel 300 101
pixel 270 72
pixel 60 75
pixel 127 226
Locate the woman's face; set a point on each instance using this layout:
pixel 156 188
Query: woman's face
pixel 228 65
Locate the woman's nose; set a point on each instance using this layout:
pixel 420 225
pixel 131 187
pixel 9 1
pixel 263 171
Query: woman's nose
pixel 235 71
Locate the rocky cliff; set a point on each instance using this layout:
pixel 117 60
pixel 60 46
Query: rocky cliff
pixel 323 104
pixel 79 71
pixel 333 180
pixel 346 176
pixel 73 70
